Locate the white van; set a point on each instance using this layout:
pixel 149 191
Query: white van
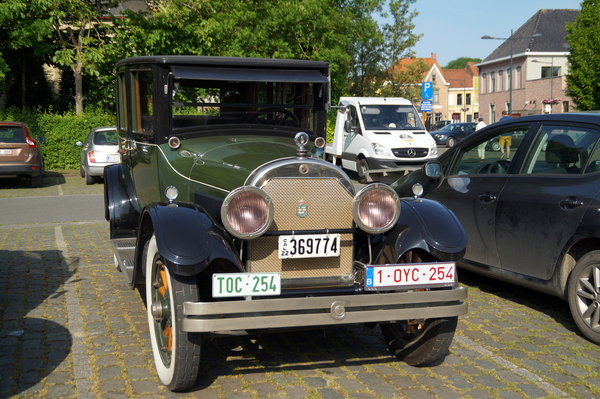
pixel 379 136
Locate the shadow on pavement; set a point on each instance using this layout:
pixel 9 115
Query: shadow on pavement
pixel 550 305
pixel 33 338
pixel 51 178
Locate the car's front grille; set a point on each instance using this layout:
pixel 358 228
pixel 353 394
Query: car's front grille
pixel 329 207
pixel 410 152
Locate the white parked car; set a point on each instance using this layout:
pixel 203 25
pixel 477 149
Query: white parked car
pixel 99 150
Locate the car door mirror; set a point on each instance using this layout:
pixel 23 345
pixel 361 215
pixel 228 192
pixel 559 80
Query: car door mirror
pixel 79 144
pixel 432 169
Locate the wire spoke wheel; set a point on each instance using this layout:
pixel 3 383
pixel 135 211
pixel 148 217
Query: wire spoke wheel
pixel 176 353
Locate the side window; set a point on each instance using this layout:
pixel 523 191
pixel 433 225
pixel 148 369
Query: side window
pixel 491 153
pixel 561 150
pixel 122 117
pixel 141 100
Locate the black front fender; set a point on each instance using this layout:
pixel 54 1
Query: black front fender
pixel 426 225
pixel 121 207
pixel 187 238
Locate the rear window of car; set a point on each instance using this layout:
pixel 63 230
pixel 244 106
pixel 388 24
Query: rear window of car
pixel 106 137
pixel 12 134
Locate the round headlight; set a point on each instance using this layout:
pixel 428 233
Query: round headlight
pixel 247 212
pixel 376 208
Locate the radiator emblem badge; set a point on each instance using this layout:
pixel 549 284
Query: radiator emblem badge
pixel 302 209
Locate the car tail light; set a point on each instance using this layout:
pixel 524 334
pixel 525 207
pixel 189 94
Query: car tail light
pixel 247 212
pixel 92 156
pixel 376 208
pixel 30 142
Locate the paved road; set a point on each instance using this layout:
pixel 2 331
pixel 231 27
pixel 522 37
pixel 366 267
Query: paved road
pixel 70 328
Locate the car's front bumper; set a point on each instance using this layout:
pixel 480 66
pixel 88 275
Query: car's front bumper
pixel 322 311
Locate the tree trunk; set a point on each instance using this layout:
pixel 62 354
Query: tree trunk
pixel 78 75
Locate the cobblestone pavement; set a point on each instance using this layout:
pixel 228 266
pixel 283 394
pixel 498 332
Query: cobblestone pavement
pixel 71 328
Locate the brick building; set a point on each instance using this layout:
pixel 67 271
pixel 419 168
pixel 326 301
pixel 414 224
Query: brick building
pixel 538 53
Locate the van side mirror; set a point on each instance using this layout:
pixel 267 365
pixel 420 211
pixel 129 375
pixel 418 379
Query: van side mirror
pixel 348 126
pixel 432 169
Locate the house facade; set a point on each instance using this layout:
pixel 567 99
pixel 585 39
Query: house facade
pixel 536 57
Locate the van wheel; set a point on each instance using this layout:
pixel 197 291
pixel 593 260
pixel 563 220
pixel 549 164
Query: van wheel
pixel 362 167
pixel 176 352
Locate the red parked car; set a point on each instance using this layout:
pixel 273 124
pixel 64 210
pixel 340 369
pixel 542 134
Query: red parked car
pixel 20 155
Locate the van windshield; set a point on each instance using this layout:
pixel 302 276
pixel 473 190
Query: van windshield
pixel 391 117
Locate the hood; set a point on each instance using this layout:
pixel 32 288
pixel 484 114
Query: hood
pixel 226 161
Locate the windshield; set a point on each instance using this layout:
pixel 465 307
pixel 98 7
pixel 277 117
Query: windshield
pixel 391 117
pixel 449 127
pixel 199 103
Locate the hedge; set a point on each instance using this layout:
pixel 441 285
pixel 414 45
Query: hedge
pixel 60 131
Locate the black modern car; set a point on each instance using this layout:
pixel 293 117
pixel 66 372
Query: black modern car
pixel 532 209
pixel 453 133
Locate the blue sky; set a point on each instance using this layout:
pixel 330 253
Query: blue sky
pixel 453 29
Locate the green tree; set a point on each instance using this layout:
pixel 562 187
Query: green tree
pixel 74 31
pixel 583 35
pixel 461 63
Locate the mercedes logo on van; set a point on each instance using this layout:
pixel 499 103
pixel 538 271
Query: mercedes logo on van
pixel 411 152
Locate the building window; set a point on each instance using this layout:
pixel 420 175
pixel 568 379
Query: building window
pixel 468 99
pixel 517 83
pixel 493 82
pixel 459 99
pixel 550 71
pixel 436 96
pixel 565 105
pixel 501 80
pixel 508 79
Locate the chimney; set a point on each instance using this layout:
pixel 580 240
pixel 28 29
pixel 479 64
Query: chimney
pixel 434 56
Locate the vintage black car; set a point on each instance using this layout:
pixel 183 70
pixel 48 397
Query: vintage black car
pixel 225 212
pixel 532 210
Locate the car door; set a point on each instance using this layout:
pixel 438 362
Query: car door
pixel 540 208
pixel 473 182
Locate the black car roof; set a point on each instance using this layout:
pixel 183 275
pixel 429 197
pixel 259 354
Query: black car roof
pixel 585 116
pixel 217 60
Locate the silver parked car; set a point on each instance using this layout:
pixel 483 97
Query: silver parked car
pixel 99 150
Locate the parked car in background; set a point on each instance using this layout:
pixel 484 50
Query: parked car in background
pixel 533 216
pixel 439 124
pixel 453 133
pixel 99 149
pixel 20 155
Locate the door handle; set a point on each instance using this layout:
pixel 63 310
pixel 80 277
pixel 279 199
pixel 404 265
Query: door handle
pixel 570 203
pixel 487 198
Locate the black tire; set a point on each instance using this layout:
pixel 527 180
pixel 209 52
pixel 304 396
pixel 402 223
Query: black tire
pixel 176 353
pixel 362 167
pixel 450 142
pixel 428 341
pixel 583 294
pixel 89 180
pixel 81 171
pixel 37 181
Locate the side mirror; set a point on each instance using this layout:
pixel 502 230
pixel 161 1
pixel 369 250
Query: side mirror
pixel 343 106
pixel 79 143
pixel 348 126
pixel 432 169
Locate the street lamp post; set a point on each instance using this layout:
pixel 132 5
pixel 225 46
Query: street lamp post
pixel 551 77
pixel 510 48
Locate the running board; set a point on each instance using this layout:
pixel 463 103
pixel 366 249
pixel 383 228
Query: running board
pixel 124 249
